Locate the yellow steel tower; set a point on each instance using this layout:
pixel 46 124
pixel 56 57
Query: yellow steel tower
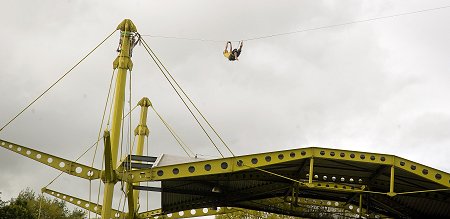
pixel 123 63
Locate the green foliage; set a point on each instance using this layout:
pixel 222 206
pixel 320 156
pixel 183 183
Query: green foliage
pixel 27 206
pixel 250 214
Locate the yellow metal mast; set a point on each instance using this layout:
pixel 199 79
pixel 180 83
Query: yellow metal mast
pixel 141 131
pixel 123 63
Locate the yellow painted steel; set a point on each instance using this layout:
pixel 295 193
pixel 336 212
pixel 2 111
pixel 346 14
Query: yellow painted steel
pixel 90 206
pixel 130 199
pixel 391 182
pixel 200 212
pixel 123 63
pixel 240 163
pixel 109 175
pixel 67 166
pixel 311 170
pixel 331 186
pixel 141 132
pixel 303 203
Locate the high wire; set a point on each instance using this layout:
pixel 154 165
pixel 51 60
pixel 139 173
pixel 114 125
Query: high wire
pixel 167 74
pixel 301 30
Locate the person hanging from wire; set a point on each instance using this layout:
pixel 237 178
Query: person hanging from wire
pixel 232 54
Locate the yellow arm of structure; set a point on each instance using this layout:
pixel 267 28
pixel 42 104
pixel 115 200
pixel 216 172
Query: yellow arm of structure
pixel 188 213
pixel 90 206
pixel 240 163
pixel 303 204
pixel 61 164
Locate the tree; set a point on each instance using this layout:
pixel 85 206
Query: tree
pixel 27 206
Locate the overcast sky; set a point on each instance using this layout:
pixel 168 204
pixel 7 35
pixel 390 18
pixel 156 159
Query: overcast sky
pixel 380 86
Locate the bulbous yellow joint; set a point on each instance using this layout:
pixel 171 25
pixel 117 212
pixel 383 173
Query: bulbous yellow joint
pixel 127 25
pixel 106 133
pixel 145 102
pixel 141 130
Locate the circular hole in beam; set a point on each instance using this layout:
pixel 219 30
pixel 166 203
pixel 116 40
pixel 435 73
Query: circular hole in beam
pixel 438 176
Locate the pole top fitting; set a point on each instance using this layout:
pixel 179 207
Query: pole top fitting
pixel 106 133
pixel 145 102
pixel 127 25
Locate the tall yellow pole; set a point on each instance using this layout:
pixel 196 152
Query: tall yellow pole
pixel 141 131
pixel 123 63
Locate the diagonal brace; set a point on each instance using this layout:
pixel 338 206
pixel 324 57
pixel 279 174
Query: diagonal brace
pixel 90 206
pixel 67 166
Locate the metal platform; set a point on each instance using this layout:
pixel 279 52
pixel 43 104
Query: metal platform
pixel 375 185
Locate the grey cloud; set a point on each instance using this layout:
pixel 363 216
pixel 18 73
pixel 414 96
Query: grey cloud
pixel 377 86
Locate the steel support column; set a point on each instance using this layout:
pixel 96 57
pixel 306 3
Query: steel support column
pixel 123 63
pixel 141 132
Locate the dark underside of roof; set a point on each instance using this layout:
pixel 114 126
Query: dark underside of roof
pixel 251 189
